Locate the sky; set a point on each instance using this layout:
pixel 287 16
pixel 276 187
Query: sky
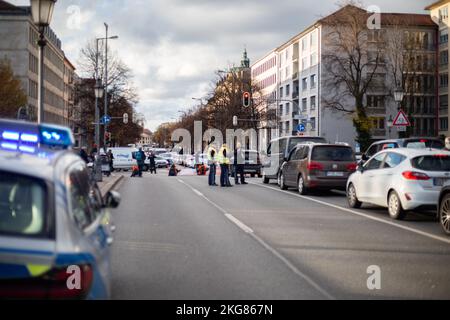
pixel 174 47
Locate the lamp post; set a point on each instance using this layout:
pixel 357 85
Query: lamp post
pixel 390 124
pixel 106 79
pixel 42 12
pixel 98 90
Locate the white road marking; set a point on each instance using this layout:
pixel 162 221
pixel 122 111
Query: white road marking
pixel 250 232
pixel 239 223
pixel 364 215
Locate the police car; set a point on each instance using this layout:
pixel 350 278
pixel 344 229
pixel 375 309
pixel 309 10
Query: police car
pixel 55 228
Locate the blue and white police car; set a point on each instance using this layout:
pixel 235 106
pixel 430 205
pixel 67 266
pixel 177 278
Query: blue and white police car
pixel 55 227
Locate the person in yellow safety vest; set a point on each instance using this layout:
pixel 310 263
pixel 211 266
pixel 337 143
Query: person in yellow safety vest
pixel 224 167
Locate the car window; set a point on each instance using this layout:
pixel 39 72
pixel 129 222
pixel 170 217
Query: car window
pixel 372 150
pixel 432 163
pixel 23 208
pixel 293 154
pixel 332 153
pixel 425 143
pixel 81 205
pixel 393 159
pixel 269 149
pixel 375 163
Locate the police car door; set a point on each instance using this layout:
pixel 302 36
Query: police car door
pixel 92 222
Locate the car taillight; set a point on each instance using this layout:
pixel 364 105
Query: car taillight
pixel 52 285
pixel 352 167
pixel 315 166
pixel 412 175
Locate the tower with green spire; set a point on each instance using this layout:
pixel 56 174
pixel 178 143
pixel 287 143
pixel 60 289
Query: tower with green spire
pixel 245 62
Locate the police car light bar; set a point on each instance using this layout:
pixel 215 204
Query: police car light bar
pixel 26 136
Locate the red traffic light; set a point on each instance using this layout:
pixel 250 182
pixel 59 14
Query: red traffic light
pixel 246 99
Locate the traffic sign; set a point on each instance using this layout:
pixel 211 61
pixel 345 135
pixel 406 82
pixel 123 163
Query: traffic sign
pixel 301 127
pixel 106 119
pixel 401 120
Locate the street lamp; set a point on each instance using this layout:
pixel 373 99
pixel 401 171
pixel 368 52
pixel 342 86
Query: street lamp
pixel 98 90
pixel 398 96
pixel 42 12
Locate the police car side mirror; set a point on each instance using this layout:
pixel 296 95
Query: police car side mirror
pixel 113 199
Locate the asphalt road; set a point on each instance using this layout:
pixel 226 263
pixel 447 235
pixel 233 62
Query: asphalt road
pixel 178 238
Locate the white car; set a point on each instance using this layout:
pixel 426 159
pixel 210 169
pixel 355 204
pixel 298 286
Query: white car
pixel 123 158
pixel 400 180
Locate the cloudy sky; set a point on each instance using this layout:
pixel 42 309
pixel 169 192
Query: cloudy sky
pixel 175 46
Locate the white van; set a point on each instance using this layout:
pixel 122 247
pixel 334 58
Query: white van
pixel 123 158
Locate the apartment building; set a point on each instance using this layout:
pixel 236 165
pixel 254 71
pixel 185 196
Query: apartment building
pixel 302 91
pixel 439 14
pixel 18 44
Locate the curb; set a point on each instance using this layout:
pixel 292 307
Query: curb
pixel 111 186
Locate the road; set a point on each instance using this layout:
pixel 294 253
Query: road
pixel 178 238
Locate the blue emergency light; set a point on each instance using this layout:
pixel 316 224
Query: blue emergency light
pixel 28 137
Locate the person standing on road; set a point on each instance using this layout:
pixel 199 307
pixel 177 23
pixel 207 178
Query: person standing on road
pixel 239 162
pixel 212 168
pixel 224 170
pixel 111 160
pixel 140 158
pixel 152 159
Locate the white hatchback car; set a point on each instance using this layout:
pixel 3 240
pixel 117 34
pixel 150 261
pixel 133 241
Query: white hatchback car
pixel 400 180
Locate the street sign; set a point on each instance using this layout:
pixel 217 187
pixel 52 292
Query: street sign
pixel 401 120
pixel 106 119
pixel 301 128
pixel 401 129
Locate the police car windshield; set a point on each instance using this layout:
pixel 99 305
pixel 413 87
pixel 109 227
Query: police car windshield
pixel 22 205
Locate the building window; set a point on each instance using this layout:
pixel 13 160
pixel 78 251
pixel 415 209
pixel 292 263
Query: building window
pixel 288 90
pixel 443 104
pixel 313 103
pixel 313 81
pixel 443 124
pixel 304 104
pixel 313 124
pixel 443 14
pixel 444 57
pixel 314 39
pixel 375 101
pixel 288 107
pixel 443 37
pixel 305 84
pixel 304 43
pixel 443 80
pixel 281 109
pixel 313 59
pixel 304 63
pixel 281 92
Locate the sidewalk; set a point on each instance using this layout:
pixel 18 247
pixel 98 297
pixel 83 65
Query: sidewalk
pixel 109 183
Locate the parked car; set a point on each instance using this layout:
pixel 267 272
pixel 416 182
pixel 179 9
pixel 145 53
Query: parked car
pixel 252 164
pixel 414 143
pixel 400 180
pixel 444 209
pixel 159 162
pixel 278 150
pixel 317 166
pixel 169 157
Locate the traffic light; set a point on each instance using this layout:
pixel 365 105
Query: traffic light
pixel 246 99
pixel 107 138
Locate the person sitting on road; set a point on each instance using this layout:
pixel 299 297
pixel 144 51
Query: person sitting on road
pixel 173 171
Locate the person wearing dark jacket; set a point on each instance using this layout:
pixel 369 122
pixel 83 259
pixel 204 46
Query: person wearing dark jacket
pixel 84 155
pixel 239 162
pixel 173 171
pixel 152 159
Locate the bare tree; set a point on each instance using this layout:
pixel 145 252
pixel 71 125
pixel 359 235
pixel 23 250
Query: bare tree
pixel 12 95
pixel 351 64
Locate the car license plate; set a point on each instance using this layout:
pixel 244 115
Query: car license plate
pixel 335 174
pixel 440 181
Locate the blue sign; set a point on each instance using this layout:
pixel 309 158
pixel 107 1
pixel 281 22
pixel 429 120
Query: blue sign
pixel 106 119
pixel 301 127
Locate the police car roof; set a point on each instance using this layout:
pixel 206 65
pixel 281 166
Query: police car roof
pixel 40 164
pixel 32 149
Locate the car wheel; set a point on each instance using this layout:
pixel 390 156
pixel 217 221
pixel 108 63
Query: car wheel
pixel 444 213
pixel 283 186
pixel 395 206
pixel 279 178
pixel 352 199
pixel 265 179
pixel 301 186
